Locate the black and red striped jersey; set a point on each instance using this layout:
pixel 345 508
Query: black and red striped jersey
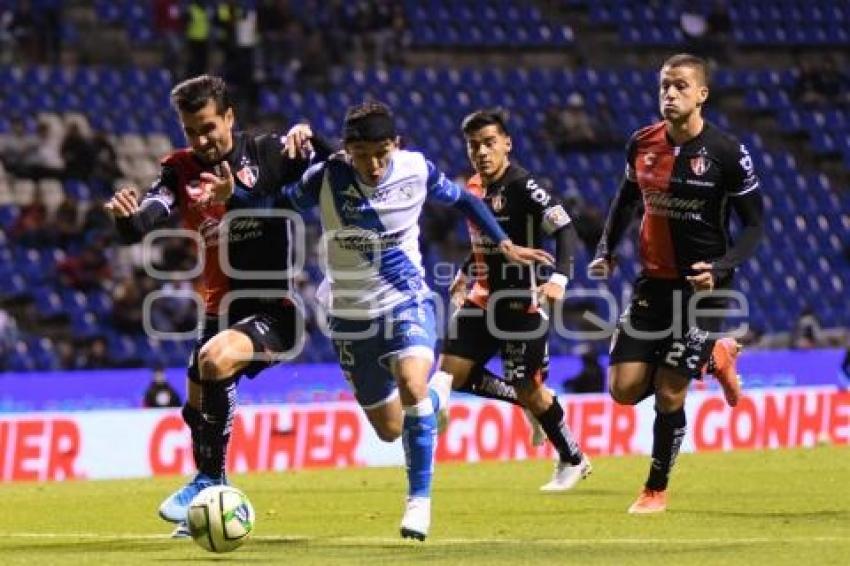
pixel 686 191
pixel 259 246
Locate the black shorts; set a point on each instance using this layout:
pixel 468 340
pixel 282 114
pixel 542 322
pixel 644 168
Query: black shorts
pixel 273 327
pixel 655 328
pixel 520 337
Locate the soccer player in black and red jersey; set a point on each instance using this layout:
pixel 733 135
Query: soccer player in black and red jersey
pixel 689 175
pixel 516 325
pixel 250 319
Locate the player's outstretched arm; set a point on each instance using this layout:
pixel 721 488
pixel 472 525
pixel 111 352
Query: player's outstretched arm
pixel 134 219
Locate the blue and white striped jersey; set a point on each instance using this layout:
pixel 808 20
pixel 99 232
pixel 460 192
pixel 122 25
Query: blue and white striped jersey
pixel 371 233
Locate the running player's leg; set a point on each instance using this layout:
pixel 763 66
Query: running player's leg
pixel 467 348
pixel 411 356
pixel 668 432
pixel 247 348
pixel 526 363
pixel 680 359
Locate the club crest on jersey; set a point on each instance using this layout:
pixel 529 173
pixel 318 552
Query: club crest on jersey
pixel 699 165
pixel 248 175
pixel 498 202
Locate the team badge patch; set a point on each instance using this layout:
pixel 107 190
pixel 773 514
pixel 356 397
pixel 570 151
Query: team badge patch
pixel 498 202
pixel 248 175
pixel 699 165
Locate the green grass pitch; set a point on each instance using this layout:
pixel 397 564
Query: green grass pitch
pixel 776 507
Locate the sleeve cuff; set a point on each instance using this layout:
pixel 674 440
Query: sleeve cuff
pixel 559 279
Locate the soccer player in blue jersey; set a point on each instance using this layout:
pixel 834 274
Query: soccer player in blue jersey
pixel 381 316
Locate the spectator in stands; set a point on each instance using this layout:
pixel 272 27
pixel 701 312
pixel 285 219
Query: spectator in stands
pixel 86 270
pixel 170 24
pixel 274 21
pixel 570 128
pixel 160 393
pixel 30 228
pixel 822 83
pixel 16 147
pixel 127 299
pixel 21 27
pixel 198 23
pixel 48 28
pixel 66 224
pixel 97 225
pixel 605 128
pixel 591 378
pixel 77 152
pixel 97 355
pixel 177 310
pixel 105 170
pixel 807 332
pixel 69 356
pixel 316 64
pixel 46 159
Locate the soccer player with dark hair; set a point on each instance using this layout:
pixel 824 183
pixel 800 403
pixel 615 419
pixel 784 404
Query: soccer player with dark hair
pixel 249 319
pixel 515 296
pixel 689 175
pixel 382 317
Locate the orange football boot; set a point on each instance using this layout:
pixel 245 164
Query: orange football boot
pixel 725 355
pixel 649 501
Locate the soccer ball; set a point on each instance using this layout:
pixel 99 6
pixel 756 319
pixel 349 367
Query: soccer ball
pixel 220 518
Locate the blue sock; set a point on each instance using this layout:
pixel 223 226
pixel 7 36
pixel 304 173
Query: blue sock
pixel 435 400
pixel 419 438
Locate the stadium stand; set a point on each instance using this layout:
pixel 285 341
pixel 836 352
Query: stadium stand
pixel 60 286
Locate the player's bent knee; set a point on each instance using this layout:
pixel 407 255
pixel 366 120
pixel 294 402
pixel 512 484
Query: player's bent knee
pixel 669 400
pixel 623 395
pixel 224 355
pixel 388 432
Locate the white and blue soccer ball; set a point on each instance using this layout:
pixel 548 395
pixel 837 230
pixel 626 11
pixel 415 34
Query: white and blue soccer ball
pixel 221 518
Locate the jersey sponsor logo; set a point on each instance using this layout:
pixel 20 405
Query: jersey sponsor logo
pixel 538 194
pixel 699 165
pixel 662 204
pixel 248 175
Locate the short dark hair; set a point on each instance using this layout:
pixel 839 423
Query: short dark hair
pixel 193 94
pixel 366 109
pixel 483 118
pixel 689 60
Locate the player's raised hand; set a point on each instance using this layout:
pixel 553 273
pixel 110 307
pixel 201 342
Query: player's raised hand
pixel 457 290
pixel 600 268
pixel 525 256
pixel 218 186
pixel 124 203
pixel 704 278
pixel 296 142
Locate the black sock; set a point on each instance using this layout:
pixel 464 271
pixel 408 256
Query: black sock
pixel 668 432
pixel 194 419
pixel 485 383
pixel 218 403
pixel 650 391
pixel 552 421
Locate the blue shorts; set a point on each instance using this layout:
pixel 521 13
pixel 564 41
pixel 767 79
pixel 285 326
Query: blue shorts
pixel 366 348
